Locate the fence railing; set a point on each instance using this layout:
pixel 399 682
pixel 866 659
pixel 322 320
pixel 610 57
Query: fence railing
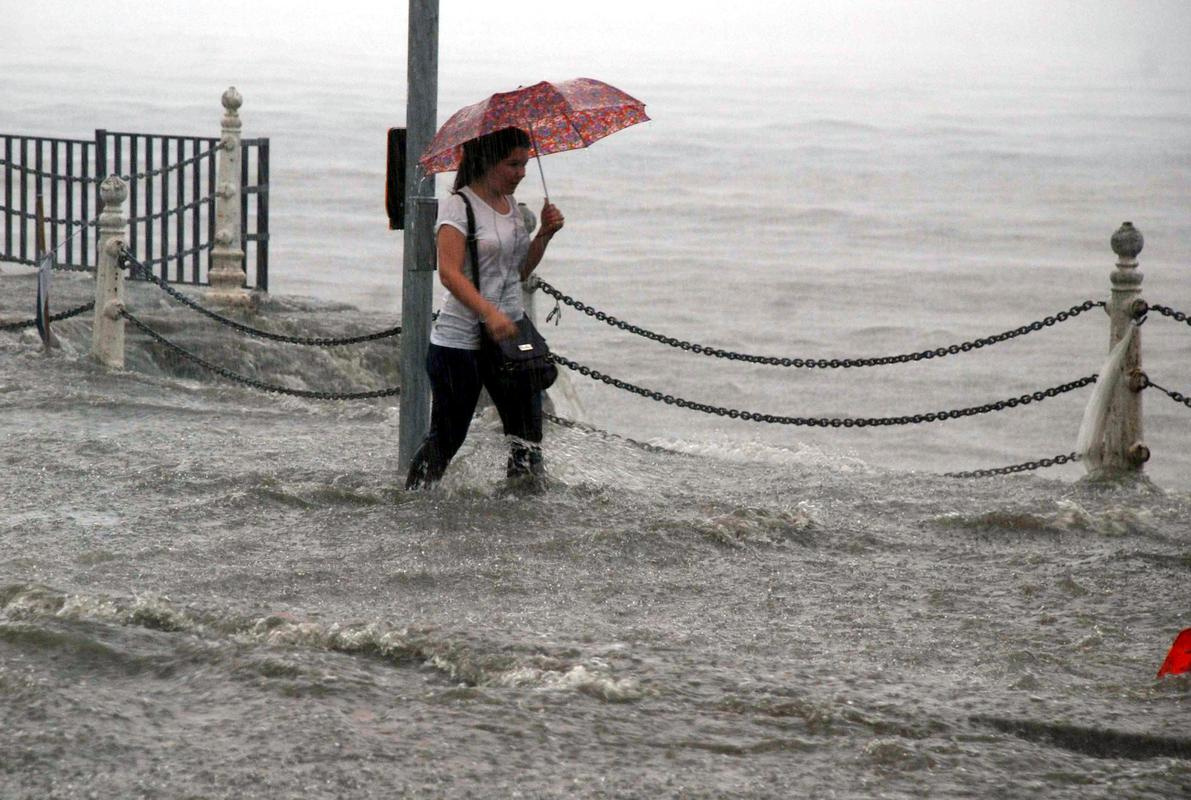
pixel 62 171
pixel 173 189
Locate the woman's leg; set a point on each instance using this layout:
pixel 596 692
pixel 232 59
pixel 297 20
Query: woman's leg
pixel 520 409
pixel 454 387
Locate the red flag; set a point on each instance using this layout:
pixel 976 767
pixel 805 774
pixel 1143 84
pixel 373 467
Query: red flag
pixel 1178 660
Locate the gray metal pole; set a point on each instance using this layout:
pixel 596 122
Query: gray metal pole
pixel 417 280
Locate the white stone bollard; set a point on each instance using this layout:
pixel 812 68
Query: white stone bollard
pixel 1124 448
pixel 227 273
pixel 107 333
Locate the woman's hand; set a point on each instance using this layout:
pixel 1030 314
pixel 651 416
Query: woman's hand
pixel 552 220
pixel 499 325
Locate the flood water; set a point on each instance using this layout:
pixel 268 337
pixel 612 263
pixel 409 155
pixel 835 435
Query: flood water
pixel 211 591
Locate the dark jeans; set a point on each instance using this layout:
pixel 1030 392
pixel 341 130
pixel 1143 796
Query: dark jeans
pixel 456 377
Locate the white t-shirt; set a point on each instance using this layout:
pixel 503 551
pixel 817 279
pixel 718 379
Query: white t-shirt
pixel 503 244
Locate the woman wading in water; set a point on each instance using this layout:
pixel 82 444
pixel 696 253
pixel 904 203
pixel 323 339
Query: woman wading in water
pixel 492 167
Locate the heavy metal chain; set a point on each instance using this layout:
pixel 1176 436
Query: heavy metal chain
pixel 71 268
pixel 817 363
pixel 179 255
pixel 232 376
pixel 130 261
pixel 182 209
pixel 975 473
pixel 61 315
pixel 32 217
pixel 1177 316
pixel 581 426
pixel 1015 468
pixel 826 422
pixel 177 165
pixel 128 178
pixel 42 174
pixel 1178 397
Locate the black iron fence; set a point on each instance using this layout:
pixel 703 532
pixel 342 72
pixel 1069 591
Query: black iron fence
pixel 171 203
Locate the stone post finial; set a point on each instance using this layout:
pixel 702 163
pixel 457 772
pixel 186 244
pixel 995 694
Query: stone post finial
pixel 232 100
pixel 107 329
pixel 1127 241
pixel 113 190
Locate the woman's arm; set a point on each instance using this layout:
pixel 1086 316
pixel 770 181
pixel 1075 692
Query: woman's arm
pixel 552 222
pixel 452 249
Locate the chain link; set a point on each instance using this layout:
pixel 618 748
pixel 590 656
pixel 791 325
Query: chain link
pixel 976 473
pixel 1026 466
pixel 1178 397
pixel 168 167
pixel 181 254
pixel 29 262
pixel 42 174
pixel 1177 316
pixel 827 422
pixel 582 426
pixel 146 273
pixel 32 217
pixel 232 376
pixel 817 363
pixel 127 178
pixel 74 268
pixel 207 201
pixel 61 315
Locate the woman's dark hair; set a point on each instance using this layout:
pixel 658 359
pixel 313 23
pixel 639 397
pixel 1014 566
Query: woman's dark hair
pixel 481 153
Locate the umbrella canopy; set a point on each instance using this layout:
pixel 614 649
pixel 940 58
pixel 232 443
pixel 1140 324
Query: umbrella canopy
pixel 557 116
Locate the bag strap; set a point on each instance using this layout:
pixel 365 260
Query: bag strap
pixel 472 249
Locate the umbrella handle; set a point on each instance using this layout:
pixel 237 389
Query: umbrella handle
pixel 538 156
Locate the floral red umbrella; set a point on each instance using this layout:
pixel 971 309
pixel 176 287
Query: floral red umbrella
pixel 557 116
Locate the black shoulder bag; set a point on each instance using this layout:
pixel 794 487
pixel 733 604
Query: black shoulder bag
pixel 522 359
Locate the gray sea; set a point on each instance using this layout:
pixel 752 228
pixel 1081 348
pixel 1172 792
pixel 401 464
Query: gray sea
pixel 207 591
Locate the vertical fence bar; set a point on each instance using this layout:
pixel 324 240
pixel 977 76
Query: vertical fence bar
pixel 24 183
pixel 71 183
pixel 8 196
pixel 245 155
pixel 262 215
pixel 101 168
pixel 196 190
pixel 81 201
pixel 149 206
pixel 165 205
pixel 211 173
pixel 180 221
pixel 133 195
pixel 55 146
pixel 37 189
pixel 84 199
